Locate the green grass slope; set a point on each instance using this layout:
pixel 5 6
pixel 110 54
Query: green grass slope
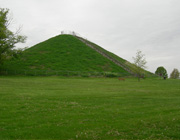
pixel 124 62
pixel 62 53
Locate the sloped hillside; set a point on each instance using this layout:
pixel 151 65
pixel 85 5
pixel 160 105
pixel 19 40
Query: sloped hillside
pixel 63 53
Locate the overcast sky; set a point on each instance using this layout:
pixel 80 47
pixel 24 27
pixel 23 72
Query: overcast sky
pixel 119 26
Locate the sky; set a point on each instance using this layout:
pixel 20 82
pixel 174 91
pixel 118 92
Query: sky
pixel 119 26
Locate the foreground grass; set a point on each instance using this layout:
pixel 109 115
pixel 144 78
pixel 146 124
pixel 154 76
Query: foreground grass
pixel 88 108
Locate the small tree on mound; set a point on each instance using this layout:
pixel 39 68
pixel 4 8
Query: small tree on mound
pixel 174 74
pixel 161 71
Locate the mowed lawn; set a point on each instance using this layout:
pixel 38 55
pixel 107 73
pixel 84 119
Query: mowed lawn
pixel 89 108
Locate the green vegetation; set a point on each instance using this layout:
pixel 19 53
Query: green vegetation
pixel 140 64
pixel 133 68
pixel 8 39
pixel 174 74
pixel 89 108
pixel 62 53
pixel 107 52
pixel 162 72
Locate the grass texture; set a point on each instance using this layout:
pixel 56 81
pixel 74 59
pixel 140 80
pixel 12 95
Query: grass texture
pixel 62 53
pixel 89 108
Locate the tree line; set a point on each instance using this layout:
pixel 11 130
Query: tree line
pixel 140 63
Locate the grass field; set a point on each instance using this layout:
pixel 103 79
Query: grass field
pixel 89 108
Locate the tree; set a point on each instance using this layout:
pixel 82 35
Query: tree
pixel 140 64
pixel 8 39
pixel 174 74
pixel 161 71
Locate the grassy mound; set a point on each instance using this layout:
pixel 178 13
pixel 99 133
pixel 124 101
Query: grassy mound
pixel 62 53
